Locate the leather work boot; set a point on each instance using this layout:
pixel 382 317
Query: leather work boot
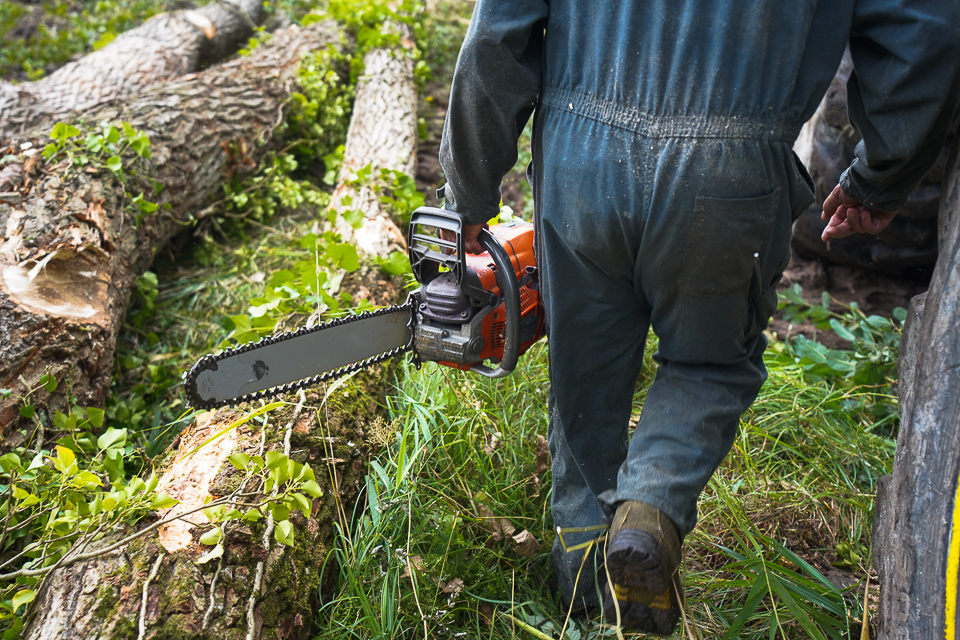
pixel 643 559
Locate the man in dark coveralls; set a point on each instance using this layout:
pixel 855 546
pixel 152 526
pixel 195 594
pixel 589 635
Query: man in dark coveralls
pixel 665 187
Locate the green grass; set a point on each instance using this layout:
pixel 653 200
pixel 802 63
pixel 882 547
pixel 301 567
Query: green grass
pixel 464 461
pixel 427 555
pixel 431 550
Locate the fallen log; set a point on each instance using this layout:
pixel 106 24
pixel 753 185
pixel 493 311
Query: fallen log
pixel 153 587
pixel 73 249
pixel 165 47
pixel 917 519
pixel 383 135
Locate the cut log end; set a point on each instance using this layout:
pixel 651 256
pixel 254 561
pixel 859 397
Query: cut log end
pixel 66 284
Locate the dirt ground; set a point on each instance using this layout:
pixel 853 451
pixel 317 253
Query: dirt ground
pixel 874 292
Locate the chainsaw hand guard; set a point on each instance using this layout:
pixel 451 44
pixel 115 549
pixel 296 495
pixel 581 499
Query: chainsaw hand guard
pixel 510 289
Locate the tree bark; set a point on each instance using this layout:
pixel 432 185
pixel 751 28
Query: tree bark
pixel 917 522
pixel 72 252
pixel 383 134
pixel 162 48
pixel 153 587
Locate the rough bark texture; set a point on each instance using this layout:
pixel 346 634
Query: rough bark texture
pixel 71 252
pixel 383 134
pixel 153 587
pixel 915 507
pixel 165 47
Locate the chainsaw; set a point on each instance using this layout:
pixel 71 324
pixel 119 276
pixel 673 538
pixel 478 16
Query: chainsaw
pixel 469 310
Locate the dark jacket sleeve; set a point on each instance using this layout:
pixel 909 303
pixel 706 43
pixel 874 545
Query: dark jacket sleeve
pixel 902 95
pixel 494 91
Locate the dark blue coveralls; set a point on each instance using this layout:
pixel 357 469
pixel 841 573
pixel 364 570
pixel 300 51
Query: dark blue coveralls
pixel 665 186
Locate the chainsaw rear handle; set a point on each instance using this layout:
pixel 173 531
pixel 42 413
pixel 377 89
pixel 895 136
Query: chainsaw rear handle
pixel 425 263
pixel 510 290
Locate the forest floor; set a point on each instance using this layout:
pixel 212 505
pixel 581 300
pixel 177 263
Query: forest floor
pixel 792 503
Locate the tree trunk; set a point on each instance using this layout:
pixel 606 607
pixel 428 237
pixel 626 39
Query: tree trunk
pixel 383 134
pixel 917 519
pixel 153 587
pixel 165 47
pixel 72 251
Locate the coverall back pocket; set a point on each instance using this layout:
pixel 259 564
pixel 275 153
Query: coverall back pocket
pixel 726 238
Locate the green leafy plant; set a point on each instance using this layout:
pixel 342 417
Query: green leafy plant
pixel 399 192
pixel 104 147
pixel 869 364
pixel 308 287
pixel 311 285
pixel 79 493
pixel 375 23
pixel 286 484
pixel 316 124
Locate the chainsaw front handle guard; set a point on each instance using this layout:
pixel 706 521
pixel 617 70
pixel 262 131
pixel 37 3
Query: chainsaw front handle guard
pixel 425 260
pixel 510 290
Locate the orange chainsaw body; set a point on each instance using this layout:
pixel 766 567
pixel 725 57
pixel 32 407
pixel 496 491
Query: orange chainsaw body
pixel 517 240
pixel 467 310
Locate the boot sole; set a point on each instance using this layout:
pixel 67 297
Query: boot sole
pixel 645 590
pixel 635 616
pixel 636 561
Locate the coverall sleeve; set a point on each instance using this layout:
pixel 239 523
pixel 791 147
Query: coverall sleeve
pixel 902 95
pixel 494 91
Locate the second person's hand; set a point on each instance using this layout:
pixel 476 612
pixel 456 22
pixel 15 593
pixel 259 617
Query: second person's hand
pixel 845 216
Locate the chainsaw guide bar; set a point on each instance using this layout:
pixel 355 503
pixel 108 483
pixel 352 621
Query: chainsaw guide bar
pixel 269 367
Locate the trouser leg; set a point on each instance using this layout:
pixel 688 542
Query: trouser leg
pixel 628 243
pixel 597 337
pixel 573 505
pixel 688 425
pixel 709 259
